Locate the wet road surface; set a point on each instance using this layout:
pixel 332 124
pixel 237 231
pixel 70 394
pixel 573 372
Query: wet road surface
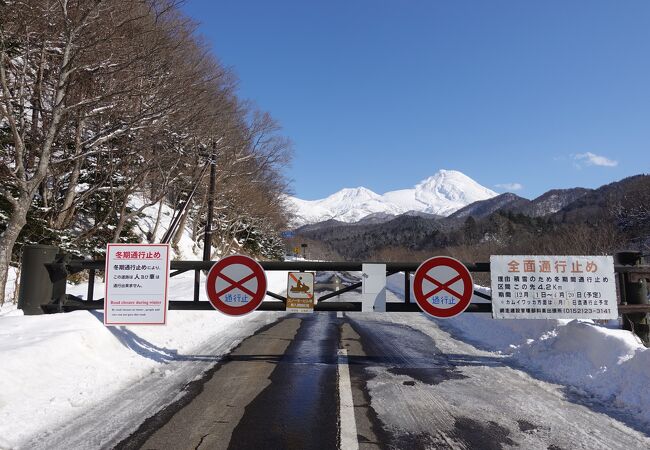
pixel 410 384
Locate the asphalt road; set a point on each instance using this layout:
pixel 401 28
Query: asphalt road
pixel 376 381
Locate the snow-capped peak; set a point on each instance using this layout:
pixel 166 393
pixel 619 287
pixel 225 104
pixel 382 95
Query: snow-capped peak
pixel 449 190
pixel 353 195
pixel 443 193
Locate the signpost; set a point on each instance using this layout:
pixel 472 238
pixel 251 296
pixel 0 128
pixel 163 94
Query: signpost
pixel 236 285
pixel 553 287
pixel 136 284
pixel 442 287
pixel 300 292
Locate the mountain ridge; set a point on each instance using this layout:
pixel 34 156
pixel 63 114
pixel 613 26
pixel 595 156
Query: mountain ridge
pixel 440 194
pixel 606 219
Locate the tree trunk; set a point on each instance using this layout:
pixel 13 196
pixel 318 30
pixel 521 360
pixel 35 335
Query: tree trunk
pixel 67 209
pixel 18 217
pixel 181 228
pixel 8 238
pixel 152 234
pixel 195 224
pixel 121 221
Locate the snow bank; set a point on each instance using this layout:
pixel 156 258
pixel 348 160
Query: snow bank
pixel 499 335
pixel 609 365
pixel 56 366
pixel 606 364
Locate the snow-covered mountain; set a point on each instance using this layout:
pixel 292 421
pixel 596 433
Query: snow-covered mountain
pixel 441 194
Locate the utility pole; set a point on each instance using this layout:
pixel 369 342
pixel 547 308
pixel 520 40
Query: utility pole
pixel 207 236
pixel 207 239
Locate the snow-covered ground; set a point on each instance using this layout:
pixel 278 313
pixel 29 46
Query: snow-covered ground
pixel 64 366
pixel 435 389
pixel 54 367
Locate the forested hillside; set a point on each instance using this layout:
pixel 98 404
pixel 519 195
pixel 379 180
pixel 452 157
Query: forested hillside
pixel 103 103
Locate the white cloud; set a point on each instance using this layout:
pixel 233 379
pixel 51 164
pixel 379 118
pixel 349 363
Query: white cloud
pixel 591 159
pixel 510 186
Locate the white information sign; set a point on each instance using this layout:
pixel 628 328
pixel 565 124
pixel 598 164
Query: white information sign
pixel 136 284
pixel 553 287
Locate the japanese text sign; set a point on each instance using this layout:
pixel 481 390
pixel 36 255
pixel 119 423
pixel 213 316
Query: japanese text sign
pixel 553 287
pixel 136 284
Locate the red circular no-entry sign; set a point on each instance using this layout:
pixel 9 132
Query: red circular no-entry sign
pixel 236 285
pixel 443 287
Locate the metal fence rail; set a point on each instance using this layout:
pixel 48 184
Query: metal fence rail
pixel 179 267
pixel 59 271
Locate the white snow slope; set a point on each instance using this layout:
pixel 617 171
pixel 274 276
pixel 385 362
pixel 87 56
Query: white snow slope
pixel 442 194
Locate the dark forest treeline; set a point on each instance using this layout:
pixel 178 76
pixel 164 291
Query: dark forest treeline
pixel 105 101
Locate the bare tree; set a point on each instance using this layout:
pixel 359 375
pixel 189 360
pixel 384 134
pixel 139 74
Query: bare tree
pixel 103 101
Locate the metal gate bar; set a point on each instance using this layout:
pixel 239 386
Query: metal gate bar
pixel 65 267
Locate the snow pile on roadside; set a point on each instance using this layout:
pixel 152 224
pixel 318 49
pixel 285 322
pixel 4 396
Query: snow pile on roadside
pixel 610 365
pixel 500 335
pixel 55 366
pixel 606 364
pixel 592 359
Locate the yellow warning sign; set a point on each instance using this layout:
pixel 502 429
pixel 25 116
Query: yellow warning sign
pixel 300 292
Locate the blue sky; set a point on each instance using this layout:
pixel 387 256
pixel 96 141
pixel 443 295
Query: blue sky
pixel 383 93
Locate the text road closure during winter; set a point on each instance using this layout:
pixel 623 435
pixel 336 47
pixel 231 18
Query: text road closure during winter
pixel 136 284
pixel 553 287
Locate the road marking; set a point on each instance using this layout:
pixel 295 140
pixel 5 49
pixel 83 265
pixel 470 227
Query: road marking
pixel 339 314
pixel 348 430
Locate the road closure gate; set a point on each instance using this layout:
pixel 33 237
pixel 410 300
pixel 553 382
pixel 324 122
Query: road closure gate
pixel 62 269
pixel 59 269
pixel 44 275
